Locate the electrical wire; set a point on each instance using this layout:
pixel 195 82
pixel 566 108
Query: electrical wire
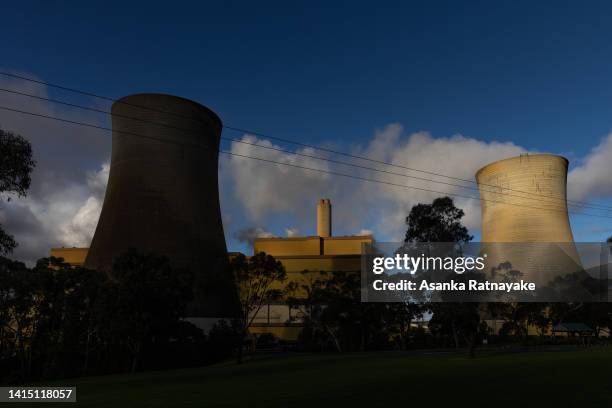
pixel 352 176
pixel 576 203
pixel 579 204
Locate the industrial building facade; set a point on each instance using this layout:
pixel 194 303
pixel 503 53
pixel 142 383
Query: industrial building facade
pixel 304 259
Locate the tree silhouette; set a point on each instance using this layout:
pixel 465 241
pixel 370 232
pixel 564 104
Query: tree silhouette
pixel 16 165
pixel 440 221
pixel 254 279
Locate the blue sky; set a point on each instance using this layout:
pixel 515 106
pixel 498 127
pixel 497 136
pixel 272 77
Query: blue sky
pixel 332 73
pixel 537 74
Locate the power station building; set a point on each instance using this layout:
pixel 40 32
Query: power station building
pixel 306 259
pixel 72 256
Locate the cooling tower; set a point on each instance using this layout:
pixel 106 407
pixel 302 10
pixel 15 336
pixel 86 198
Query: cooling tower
pixel 162 194
pixel 524 216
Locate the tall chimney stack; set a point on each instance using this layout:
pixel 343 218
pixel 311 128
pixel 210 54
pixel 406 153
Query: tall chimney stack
pixel 324 218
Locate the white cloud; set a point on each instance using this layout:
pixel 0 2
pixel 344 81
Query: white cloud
pixel 61 201
pixel 592 178
pixel 265 188
pixel 79 230
pixel 268 190
pixel 292 232
pixel 65 217
pixel 458 156
pixel 97 180
pixel 248 235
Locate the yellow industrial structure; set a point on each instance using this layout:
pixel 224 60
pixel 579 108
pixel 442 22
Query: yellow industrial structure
pixel 73 256
pixel 304 258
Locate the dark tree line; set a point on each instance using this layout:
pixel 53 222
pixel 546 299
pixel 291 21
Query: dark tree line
pixel 336 319
pixel 59 321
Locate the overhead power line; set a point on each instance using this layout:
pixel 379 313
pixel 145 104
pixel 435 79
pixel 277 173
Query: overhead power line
pixel 49 117
pixel 289 141
pixel 532 196
pixel 494 186
pixel 93 95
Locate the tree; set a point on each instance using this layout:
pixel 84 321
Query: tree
pixel 440 221
pixel 516 317
pixel 144 300
pixel 57 320
pixel 399 320
pixel 459 320
pixel 322 316
pixel 335 317
pixel 65 315
pixel 256 280
pixel 16 165
pixel 17 300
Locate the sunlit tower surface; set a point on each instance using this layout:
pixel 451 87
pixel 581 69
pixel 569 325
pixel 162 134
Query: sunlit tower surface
pixel 535 186
pixel 524 203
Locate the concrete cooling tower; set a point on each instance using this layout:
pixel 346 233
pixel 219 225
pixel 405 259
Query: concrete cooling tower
pixel 162 194
pixel 524 215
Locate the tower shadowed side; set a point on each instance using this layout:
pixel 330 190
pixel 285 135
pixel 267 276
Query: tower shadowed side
pixel 162 194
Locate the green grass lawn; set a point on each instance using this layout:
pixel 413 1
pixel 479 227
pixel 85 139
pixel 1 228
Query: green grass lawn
pixel 543 379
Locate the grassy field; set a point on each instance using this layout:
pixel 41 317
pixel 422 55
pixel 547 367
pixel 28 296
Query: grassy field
pixel 543 379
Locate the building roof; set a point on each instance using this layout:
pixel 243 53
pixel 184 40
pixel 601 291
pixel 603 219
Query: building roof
pixel 572 327
pixel 302 238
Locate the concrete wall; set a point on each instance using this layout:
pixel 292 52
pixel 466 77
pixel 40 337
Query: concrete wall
pixel 348 245
pixel 288 246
